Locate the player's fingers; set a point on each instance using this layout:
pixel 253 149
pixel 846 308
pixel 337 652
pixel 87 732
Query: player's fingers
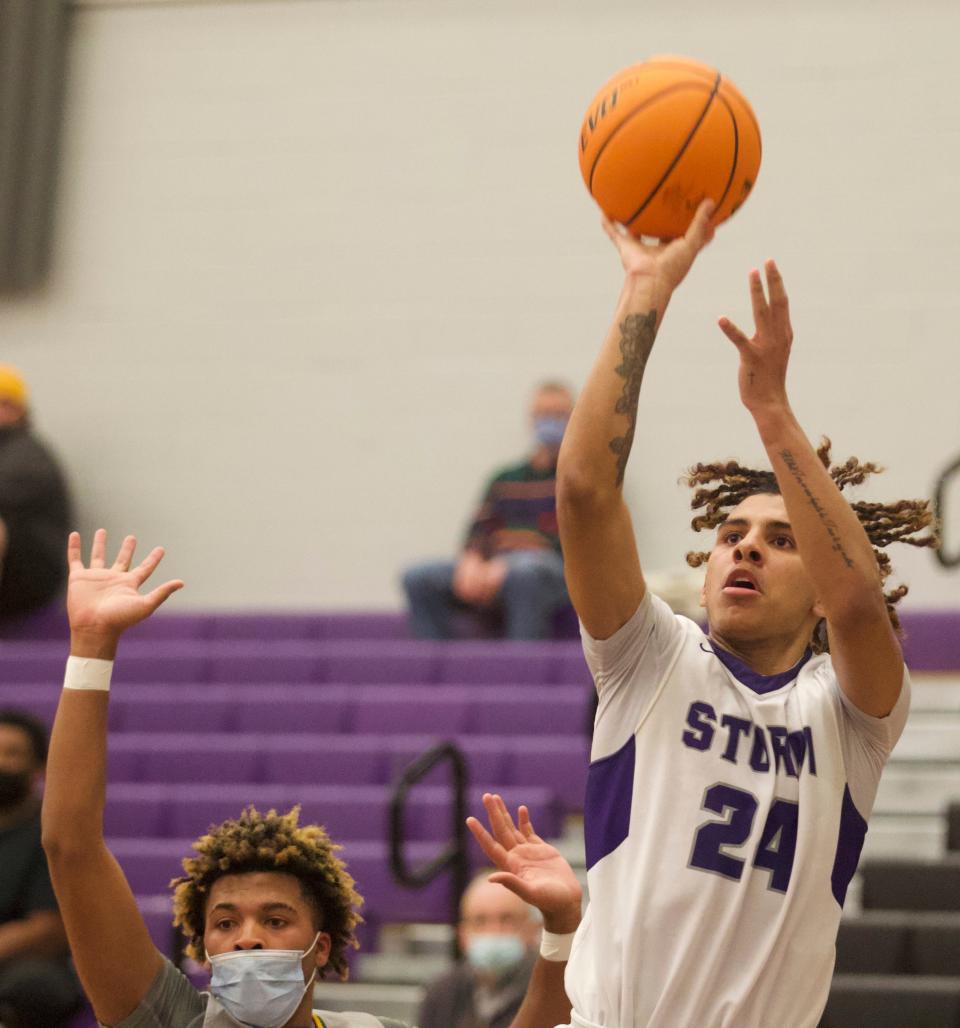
pixel 74 560
pixel 495 853
pixel 500 820
pixel 514 884
pixel 758 299
pixel 162 593
pixel 526 825
pixel 700 231
pixel 611 229
pixel 125 554
pixel 99 549
pixel 779 303
pixel 732 333
pixel 148 565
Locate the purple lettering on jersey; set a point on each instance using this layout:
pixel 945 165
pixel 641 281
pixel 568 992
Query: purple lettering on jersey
pixel 781 752
pixel 759 757
pixel 608 802
pixel 853 830
pixel 699 717
pixel 736 726
pixel 801 746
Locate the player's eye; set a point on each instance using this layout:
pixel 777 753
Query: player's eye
pixel 732 537
pixel 223 925
pixel 783 542
pixel 276 922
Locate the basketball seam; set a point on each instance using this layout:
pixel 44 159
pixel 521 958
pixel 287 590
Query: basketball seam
pixel 636 110
pixel 683 149
pixel 736 150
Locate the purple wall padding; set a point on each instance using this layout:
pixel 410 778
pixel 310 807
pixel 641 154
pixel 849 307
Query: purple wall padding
pixel 932 639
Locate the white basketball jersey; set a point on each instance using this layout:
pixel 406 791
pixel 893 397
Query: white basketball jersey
pixel 724 818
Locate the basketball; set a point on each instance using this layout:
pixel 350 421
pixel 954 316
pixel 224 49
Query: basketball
pixel 663 135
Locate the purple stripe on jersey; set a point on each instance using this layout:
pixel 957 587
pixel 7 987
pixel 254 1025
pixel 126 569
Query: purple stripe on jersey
pixel 606 812
pixel 751 679
pixel 853 830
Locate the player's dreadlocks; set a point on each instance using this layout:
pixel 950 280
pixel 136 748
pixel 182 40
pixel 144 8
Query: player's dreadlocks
pixel 271 842
pixel 884 523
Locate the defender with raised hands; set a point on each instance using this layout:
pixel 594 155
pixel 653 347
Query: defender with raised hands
pixel 264 901
pixel 732 771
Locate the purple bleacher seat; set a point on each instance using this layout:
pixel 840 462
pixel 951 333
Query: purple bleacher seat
pixel 931 639
pixel 374 662
pixel 502 663
pixel 39 700
pixel 150 863
pixel 365 625
pixel 571 667
pixel 31 663
pixel 254 661
pixel 293 708
pixel 532 710
pixel 326 759
pixel 48 622
pixel 137 810
pixel 195 757
pixel 485 757
pixel 410 709
pixel 281 626
pixel 169 662
pixel 157 911
pixel 560 761
pixel 170 708
pixel 166 626
pixel 193 810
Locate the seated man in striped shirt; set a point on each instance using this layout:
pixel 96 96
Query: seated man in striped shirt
pixel 511 559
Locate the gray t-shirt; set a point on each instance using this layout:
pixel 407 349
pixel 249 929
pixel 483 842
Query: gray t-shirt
pixel 173 1002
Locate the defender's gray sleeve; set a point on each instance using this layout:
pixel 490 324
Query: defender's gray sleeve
pixel 172 1002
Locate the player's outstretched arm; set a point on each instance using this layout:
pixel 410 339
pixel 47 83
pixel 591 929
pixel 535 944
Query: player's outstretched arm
pixel 832 543
pixel 599 550
pixel 539 875
pixel 113 953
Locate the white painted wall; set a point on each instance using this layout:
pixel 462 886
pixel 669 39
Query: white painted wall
pixel 313 254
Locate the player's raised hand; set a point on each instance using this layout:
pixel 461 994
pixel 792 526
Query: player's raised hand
pixel 668 261
pixel 105 601
pixel 764 358
pixel 528 865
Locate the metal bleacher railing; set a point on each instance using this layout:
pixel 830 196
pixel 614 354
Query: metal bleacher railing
pixel 454 856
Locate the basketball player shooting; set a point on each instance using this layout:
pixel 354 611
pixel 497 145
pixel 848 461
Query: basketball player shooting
pixel 732 772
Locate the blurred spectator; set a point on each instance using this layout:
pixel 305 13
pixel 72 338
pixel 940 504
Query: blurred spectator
pixel 511 559
pixel 38 988
pixel 498 935
pixel 34 507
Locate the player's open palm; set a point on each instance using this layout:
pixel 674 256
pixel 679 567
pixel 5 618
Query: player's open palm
pixel 528 865
pixel 106 599
pixel 668 261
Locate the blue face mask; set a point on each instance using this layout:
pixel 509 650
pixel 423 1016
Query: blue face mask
pixel 260 987
pixel 548 431
pixel 495 954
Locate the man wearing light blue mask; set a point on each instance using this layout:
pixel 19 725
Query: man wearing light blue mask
pixel 510 566
pixel 498 935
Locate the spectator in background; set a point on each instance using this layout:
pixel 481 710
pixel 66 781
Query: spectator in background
pixel 38 988
pixel 498 935
pixel 511 559
pixel 34 507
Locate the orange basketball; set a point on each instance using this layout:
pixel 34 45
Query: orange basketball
pixel 663 135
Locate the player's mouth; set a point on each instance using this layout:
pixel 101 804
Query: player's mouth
pixel 741 583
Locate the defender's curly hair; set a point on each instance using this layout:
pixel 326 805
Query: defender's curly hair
pixel 271 842
pixel 884 523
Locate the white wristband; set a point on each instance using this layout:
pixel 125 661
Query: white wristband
pixel 556 947
pixel 88 673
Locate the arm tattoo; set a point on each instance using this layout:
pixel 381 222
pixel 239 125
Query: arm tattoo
pixel 828 523
pixel 637 333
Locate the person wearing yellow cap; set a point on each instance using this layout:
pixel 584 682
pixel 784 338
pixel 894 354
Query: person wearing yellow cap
pixel 34 506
